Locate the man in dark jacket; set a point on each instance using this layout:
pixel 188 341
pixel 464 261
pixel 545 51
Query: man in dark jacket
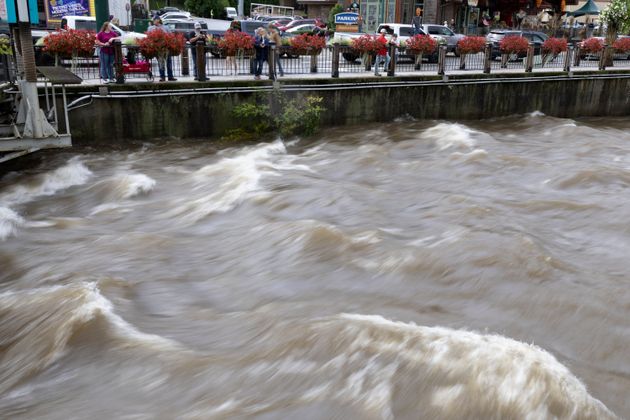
pixel 261 44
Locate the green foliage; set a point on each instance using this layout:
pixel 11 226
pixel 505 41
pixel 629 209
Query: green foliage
pixel 5 46
pixel 337 8
pixel 617 15
pixel 207 8
pixel 277 113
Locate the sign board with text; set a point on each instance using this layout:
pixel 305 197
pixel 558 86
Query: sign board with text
pixel 56 9
pixel 347 22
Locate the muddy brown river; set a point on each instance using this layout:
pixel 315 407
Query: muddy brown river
pixel 409 270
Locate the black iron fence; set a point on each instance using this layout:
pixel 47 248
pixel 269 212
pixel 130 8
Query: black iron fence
pixel 205 61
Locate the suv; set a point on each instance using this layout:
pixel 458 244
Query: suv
pixel 405 31
pixel 496 35
pixel 183 26
pixel 445 32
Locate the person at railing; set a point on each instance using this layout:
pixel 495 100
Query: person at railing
pixel 382 55
pixel 261 44
pixel 106 54
pixel 193 38
pixel 230 60
pixel 276 39
pixel 157 26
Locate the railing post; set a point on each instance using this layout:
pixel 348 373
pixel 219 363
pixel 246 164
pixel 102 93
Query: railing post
pixel 313 63
pixel 529 60
pixel 185 62
pixel 271 61
pixel 368 61
pixel 335 60
pixel 602 58
pixel 118 62
pixel 392 60
pixel 567 60
pixel 576 58
pixel 201 61
pixel 487 58
pixel 441 59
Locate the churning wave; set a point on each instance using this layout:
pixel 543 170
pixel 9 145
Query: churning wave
pixel 69 175
pixel 9 222
pixel 451 136
pixel 120 187
pixel 72 174
pixel 238 179
pixel 36 326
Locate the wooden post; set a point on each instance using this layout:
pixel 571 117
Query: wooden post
pixel 392 60
pixel 118 62
pixel 576 58
pixel 487 58
pixel 529 59
pixel 441 59
pixel 602 58
pixel 504 60
pixel 271 62
pixel 201 61
pixel 185 61
pixel 314 63
pixel 335 60
pixel 567 59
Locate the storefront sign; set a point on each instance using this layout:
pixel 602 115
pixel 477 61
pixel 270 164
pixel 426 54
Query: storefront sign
pixel 346 18
pixel 56 9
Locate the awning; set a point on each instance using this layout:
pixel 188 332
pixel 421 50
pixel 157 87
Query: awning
pixel 590 8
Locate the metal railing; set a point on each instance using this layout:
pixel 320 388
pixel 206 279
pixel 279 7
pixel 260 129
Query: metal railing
pixel 207 61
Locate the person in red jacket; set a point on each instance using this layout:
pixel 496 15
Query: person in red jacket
pixel 382 55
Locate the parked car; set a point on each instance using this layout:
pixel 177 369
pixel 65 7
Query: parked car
pixel 300 29
pixel 496 35
pixel 404 32
pixel 183 26
pixel 298 22
pixel 445 32
pixel 230 13
pixel 175 15
pixel 250 26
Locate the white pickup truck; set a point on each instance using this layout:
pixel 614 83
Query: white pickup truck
pixel 403 31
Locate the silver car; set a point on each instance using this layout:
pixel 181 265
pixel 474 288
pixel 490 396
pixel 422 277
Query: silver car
pixel 444 31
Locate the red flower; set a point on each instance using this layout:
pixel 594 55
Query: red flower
pixel 513 44
pixel 160 43
pixel 308 43
pixel 421 44
pixel 366 44
pixel 592 45
pixel 554 46
pixel 471 45
pixel 70 43
pixel 622 45
pixel 236 41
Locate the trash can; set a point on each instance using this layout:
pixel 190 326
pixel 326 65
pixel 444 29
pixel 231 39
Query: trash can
pixel 141 25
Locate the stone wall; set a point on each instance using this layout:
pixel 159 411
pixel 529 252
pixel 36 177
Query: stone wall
pixel 208 114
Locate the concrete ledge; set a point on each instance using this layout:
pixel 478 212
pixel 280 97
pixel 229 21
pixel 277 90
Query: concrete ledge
pixel 204 110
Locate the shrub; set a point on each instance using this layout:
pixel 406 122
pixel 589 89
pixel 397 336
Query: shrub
pixel 513 44
pixel 592 45
pixel 276 113
pixel 160 44
pixel 308 44
pixel 471 45
pixel 366 44
pixel 236 42
pixel 5 46
pixel 71 43
pixel 554 46
pixel 622 45
pixel 421 44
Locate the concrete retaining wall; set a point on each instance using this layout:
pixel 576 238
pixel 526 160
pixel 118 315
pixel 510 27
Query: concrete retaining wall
pixel 146 113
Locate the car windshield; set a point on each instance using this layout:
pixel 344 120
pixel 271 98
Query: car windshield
pixel 87 25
